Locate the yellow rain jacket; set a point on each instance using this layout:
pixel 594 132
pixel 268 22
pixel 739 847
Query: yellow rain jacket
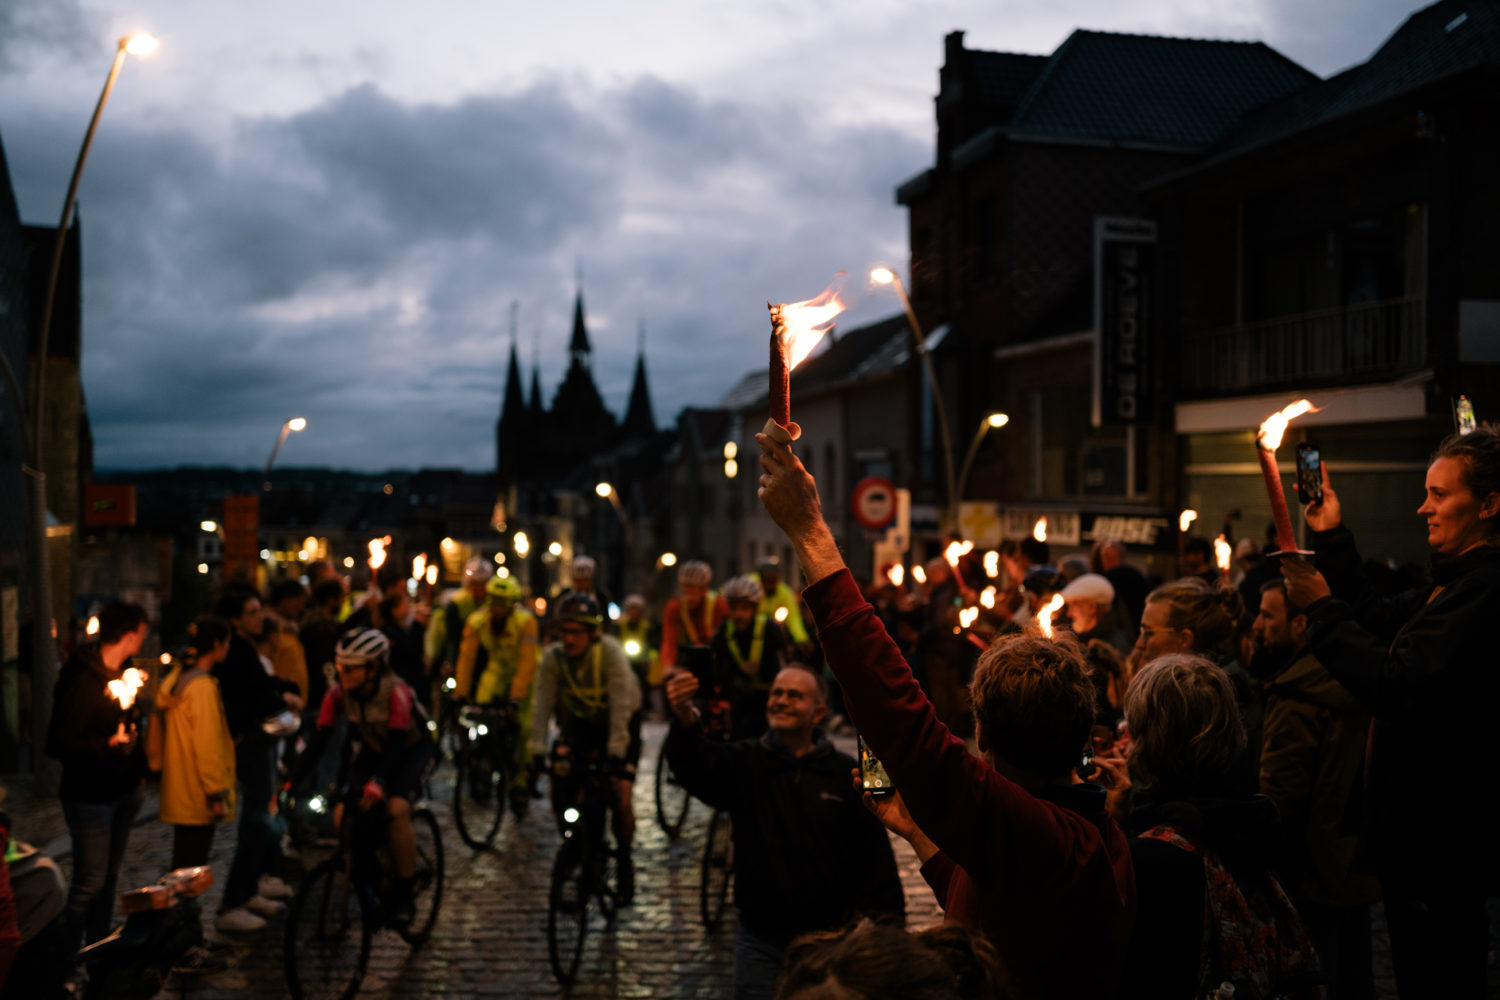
pixel 190 744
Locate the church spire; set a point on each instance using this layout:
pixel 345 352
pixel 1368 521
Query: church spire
pixel 578 347
pixel 638 419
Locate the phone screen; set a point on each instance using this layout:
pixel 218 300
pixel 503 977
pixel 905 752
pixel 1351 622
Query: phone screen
pixel 872 773
pixel 1309 474
pixel 1463 415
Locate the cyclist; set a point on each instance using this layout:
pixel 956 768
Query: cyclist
pixel 445 629
pixel 748 653
pixel 641 638
pixel 694 617
pixel 507 633
pixel 394 749
pixel 587 678
pixel 779 596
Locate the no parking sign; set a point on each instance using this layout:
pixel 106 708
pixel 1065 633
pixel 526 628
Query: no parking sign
pixel 874 502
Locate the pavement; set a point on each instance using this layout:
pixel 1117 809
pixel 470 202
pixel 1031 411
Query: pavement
pixel 490 939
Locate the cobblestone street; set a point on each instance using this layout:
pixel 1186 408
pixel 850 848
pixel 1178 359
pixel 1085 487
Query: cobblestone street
pixel 490 939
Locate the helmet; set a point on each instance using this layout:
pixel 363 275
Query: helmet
pixel 695 572
pixel 583 566
pixel 744 588
pixel 579 607
pixel 363 647
pixel 478 570
pixel 504 588
pixel 635 602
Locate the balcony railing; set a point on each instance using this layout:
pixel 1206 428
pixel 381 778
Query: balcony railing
pixel 1364 342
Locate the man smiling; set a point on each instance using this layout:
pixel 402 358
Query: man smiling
pixel 808 856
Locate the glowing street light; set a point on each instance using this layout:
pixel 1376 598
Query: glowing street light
pixel 209 526
pixel 287 429
pixel 668 559
pixel 992 422
pixel 44 651
pixel 885 276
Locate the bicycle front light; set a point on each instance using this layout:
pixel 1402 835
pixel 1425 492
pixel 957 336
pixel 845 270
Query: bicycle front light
pixel 431 726
pixel 450 684
pixel 316 804
pixel 570 816
pixel 484 730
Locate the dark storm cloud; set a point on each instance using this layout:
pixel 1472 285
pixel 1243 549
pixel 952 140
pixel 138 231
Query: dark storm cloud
pixel 354 263
pixel 29 26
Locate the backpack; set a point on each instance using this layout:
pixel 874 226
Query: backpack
pixel 1253 936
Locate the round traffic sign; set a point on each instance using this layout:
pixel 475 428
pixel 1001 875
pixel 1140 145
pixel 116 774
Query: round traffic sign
pixel 874 502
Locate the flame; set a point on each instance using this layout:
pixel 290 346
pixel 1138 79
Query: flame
pixel 377 551
pixel 992 564
pixel 1222 551
pixel 1186 518
pixel 957 550
pixel 432 575
pixel 781 614
pixel 896 574
pixel 967 617
pixel 419 566
pixel 987 597
pixel 124 688
pixel 1040 531
pixel 1271 431
pixel 806 322
pixel 1044 616
pixel 92 628
pixel 919 574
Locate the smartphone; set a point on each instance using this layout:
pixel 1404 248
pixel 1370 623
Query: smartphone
pixel 1463 415
pixel 700 661
pixel 1309 473
pixel 872 773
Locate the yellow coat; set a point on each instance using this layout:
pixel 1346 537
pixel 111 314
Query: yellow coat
pixel 195 752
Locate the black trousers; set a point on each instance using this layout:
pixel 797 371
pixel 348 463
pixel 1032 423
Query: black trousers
pixel 191 845
pixel 1439 941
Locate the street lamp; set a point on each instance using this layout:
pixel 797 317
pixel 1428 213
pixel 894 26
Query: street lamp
pixel 992 422
pixel 287 430
pixel 885 276
pixel 43 638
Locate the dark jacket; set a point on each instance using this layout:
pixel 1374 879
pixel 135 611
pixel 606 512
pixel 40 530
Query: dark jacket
pixel 251 696
pixel 807 854
pixel 84 717
pixel 1164 949
pixel 1310 768
pixel 1048 881
pixel 1425 666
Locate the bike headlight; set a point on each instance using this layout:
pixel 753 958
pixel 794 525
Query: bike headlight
pixel 316 804
pixel 450 684
pixel 632 647
pixel 570 815
pixel 431 726
pixel 484 730
pixel 473 733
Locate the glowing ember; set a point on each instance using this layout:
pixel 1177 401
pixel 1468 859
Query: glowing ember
pixel 956 551
pixel 967 617
pixel 992 564
pixel 1186 518
pixel 1271 431
pixel 987 597
pixel 1040 531
pixel 919 574
pixel 124 688
pixel 1044 617
pixel 1222 553
pixel 896 574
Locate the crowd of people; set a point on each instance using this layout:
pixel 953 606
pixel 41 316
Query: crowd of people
pixel 1178 786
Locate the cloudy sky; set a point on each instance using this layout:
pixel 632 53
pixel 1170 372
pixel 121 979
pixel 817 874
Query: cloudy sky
pixel 326 209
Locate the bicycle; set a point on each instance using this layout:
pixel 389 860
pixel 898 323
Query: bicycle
pixel 716 870
pixel 344 900
pixel 587 865
pixel 672 800
pixel 482 769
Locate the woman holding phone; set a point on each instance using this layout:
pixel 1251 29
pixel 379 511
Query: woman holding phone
pixel 1424 664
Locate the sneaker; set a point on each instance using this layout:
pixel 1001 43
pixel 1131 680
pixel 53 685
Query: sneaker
pixel 272 887
pixel 264 907
pixel 199 961
pixel 239 921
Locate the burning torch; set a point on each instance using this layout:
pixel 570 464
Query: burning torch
pixel 1266 442
pixel 123 690
pixel 796 329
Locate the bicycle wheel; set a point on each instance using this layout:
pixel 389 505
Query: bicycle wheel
pixel 427 887
pixel 672 800
pixel 327 938
pixel 607 879
pixel 479 784
pixel 567 912
pixel 718 866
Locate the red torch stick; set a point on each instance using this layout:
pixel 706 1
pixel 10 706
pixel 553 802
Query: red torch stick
pixel 795 330
pixel 1267 441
